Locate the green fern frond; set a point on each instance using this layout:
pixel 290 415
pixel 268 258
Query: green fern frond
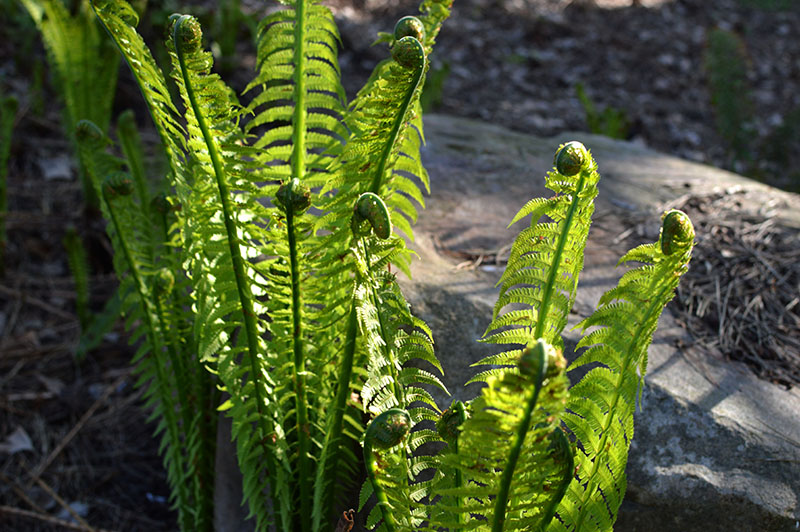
pixel 396 344
pixel 119 20
pixel 547 257
pixel 300 97
pixel 79 267
pixel 131 145
pixel 139 302
pixel 601 405
pixel 510 456
pixel 218 246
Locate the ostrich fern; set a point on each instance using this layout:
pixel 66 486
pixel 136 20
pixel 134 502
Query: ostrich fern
pixel 260 285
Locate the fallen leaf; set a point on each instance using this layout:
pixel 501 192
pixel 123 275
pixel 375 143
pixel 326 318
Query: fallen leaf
pixel 17 441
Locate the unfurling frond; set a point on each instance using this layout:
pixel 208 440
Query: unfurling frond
pixel 601 405
pixel 509 463
pixel 546 258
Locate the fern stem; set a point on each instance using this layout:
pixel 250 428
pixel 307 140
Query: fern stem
pixel 334 433
pixel 549 286
pixel 248 311
pixel 162 384
pixel 395 134
pixel 298 161
pixel 657 303
pixel 501 502
pixel 131 145
pixel 301 404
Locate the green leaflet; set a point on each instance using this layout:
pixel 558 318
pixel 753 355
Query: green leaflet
pixel 601 405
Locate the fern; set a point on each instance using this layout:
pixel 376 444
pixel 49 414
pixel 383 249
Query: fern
pixel 268 260
pixel 519 409
pixel 601 405
pixel 545 259
pixel 85 67
pixel 79 267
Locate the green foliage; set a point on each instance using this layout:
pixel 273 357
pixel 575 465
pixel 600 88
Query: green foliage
pixel 8 113
pixel 79 267
pixel 609 121
pixel 84 64
pixel 726 67
pixel 600 407
pixel 265 272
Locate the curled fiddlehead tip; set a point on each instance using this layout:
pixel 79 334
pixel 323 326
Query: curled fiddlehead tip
pixel 408 53
pixel 529 360
pixel 570 158
pixel 677 232
pixel 449 424
pixel 117 184
pixel 160 204
pixel 189 35
pixel 409 26
pixel 370 212
pixel 293 197
pixel 121 10
pixel 388 429
pixel 86 130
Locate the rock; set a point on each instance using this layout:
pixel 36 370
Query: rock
pixel 716 449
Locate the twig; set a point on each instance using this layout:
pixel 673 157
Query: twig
pixel 37 303
pixel 71 434
pixel 61 502
pixel 21 493
pixel 46 518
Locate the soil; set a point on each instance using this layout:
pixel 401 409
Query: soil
pixel 75 445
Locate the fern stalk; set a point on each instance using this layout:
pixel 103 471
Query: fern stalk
pixel 409 46
pixel 298 172
pixel 550 286
pixel 131 145
pixel 503 493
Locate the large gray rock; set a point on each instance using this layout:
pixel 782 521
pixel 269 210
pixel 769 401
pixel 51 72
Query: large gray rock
pixel 715 449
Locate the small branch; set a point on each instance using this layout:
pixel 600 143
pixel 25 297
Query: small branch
pixel 47 519
pixel 78 426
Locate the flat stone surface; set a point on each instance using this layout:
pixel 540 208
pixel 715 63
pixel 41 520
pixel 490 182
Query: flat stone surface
pixel 715 447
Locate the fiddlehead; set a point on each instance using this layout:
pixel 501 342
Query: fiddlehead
pixel 370 212
pixel 385 432
pixel 677 232
pixel 409 27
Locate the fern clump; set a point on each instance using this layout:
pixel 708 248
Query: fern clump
pixel 258 282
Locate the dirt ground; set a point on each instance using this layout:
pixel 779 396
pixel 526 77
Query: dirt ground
pixel 76 449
